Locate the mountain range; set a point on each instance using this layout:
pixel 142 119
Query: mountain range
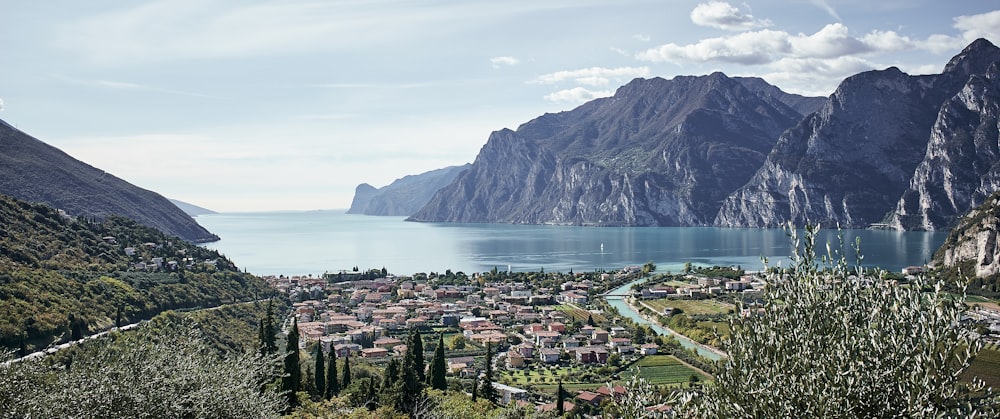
pixel 886 148
pixel 34 171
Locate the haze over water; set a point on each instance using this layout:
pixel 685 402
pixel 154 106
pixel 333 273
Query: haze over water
pixel 313 242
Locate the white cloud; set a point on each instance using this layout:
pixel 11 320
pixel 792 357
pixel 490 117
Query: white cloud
pixel 593 76
pixel 984 25
pixel 504 61
pixel 757 47
pixel 1 104
pixel 577 95
pixel 888 41
pixel 641 37
pixel 722 15
pixel 830 42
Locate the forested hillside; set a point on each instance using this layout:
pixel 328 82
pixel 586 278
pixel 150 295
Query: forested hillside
pixel 63 277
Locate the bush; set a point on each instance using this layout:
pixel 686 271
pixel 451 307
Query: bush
pixel 835 341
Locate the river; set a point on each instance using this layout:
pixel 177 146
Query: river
pixel 617 301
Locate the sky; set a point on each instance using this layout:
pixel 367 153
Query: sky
pixel 243 105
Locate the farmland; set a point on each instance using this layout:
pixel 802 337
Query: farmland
pixel 578 314
pixel 663 369
pixel 691 307
pixel 986 366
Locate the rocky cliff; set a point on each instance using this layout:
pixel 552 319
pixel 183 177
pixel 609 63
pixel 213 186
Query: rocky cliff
pixel 961 166
pixel 658 152
pixel 33 171
pixel 851 161
pixel 975 239
pixel 405 195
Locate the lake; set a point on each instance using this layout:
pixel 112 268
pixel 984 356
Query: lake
pixel 314 242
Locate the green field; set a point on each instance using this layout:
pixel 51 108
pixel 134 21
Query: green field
pixel 986 366
pixel 691 306
pixel 663 369
pixel 579 314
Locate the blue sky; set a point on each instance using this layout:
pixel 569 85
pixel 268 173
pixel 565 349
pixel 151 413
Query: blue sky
pixel 241 105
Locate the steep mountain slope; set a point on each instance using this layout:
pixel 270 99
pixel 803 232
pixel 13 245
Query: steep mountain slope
pixel 972 250
pixel 659 152
pixel 34 171
pixel 962 164
pixel 405 195
pixel 851 161
pixel 62 276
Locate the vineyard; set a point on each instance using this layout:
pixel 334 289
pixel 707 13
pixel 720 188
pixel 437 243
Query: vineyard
pixel 663 369
pixel 578 314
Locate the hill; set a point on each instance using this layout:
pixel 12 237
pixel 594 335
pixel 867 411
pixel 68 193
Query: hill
pixel 63 277
pixel 37 172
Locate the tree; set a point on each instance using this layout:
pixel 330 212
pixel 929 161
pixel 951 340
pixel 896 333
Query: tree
pixel 488 390
pixel 293 374
pixel 839 341
pixel 390 393
pixel 439 367
pixel 416 343
pixel 559 400
pixel 319 377
pixel 332 384
pixel 267 338
pixel 409 373
pixel 475 388
pixel 590 320
pixel 347 371
pixel 162 372
pixel 458 343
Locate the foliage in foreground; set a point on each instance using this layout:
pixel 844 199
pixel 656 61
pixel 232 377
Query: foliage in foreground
pixel 142 374
pixel 834 341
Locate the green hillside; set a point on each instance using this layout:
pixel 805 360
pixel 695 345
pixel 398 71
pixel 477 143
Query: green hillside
pixel 63 277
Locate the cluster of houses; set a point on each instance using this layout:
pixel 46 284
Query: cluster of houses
pixel 361 316
pixel 704 286
pixel 158 263
pixel 364 317
pixel 548 343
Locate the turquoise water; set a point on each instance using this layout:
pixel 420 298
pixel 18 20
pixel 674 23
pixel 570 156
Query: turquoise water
pixel 313 242
pixel 617 301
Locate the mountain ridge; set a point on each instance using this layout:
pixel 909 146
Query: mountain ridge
pixel 34 171
pixel 658 152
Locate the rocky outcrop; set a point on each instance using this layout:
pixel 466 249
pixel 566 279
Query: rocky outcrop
pixel 405 195
pixel 962 164
pixel 363 195
pixel 849 163
pixel 659 152
pixel 33 171
pixel 975 239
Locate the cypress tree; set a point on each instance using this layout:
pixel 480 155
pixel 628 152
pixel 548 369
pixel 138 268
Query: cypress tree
pixel 320 377
pixel 417 343
pixel 475 389
pixel 409 375
pixel 347 371
pixel 438 366
pixel 489 392
pixel 293 375
pixel 332 384
pixel 390 394
pixel 559 400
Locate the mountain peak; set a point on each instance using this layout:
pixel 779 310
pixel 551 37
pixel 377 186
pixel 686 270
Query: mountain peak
pixel 975 58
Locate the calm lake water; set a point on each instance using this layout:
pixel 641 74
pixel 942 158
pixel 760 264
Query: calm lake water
pixel 313 242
